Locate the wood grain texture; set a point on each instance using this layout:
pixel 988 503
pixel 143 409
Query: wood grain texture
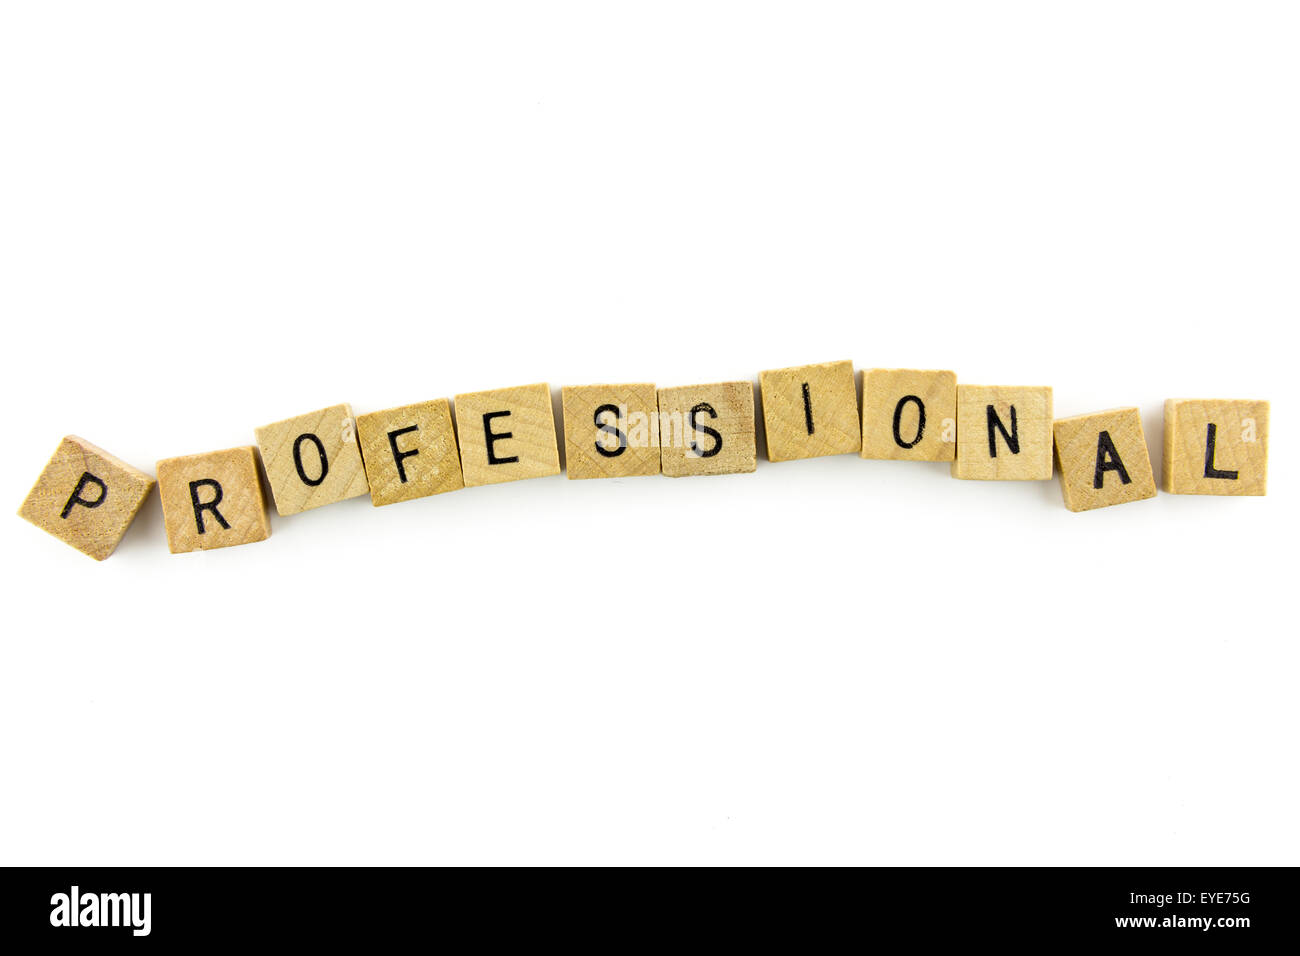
pixel 592 449
pixel 992 445
pixel 507 434
pixel 213 500
pixel 810 411
pixel 707 429
pixel 409 452
pixel 86 497
pixel 909 414
pixel 312 459
pixel 1103 459
pixel 1238 430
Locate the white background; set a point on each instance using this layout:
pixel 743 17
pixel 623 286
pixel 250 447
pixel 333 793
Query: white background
pixel 214 217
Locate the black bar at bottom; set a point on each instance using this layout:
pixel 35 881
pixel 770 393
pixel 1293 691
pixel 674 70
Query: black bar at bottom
pixel 1221 908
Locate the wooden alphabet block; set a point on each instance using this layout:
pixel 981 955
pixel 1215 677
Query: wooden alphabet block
pixel 1004 433
pixel 611 431
pixel 86 497
pixel 409 452
pixel 213 500
pixel 707 429
pixel 810 411
pixel 1216 447
pixel 909 414
pixel 507 434
pixel 1103 459
pixel 312 459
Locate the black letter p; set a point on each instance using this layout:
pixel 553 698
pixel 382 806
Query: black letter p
pixel 75 498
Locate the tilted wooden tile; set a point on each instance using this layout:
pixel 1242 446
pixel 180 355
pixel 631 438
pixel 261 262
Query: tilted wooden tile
pixel 810 411
pixel 507 434
pixel 86 497
pixel 312 459
pixel 1103 459
pixel 409 452
pixel 909 414
pixel 610 431
pixel 707 429
pixel 212 500
pixel 1004 433
pixel 1216 447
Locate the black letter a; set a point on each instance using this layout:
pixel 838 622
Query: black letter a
pixel 1108 460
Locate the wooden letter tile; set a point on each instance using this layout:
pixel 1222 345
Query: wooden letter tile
pixel 86 497
pixel 409 452
pixel 810 411
pixel 212 500
pixel 707 429
pixel 312 460
pixel 610 431
pixel 909 414
pixel 507 434
pixel 1004 433
pixel 1216 447
pixel 1103 459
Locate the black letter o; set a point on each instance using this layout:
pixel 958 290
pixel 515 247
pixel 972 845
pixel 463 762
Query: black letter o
pixel 297 459
pixel 898 421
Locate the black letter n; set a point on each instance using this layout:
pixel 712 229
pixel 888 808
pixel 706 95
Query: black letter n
pixel 995 426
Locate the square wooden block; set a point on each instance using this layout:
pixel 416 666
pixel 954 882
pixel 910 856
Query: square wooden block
pixel 1004 433
pixel 909 414
pixel 312 459
pixel 1103 459
pixel 810 411
pixel 86 497
pixel 409 452
pixel 1216 446
pixel 507 434
pixel 611 431
pixel 707 429
pixel 213 500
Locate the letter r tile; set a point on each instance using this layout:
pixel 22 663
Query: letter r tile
pixel 212 500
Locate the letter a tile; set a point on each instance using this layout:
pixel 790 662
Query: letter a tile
pixel 1103 459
